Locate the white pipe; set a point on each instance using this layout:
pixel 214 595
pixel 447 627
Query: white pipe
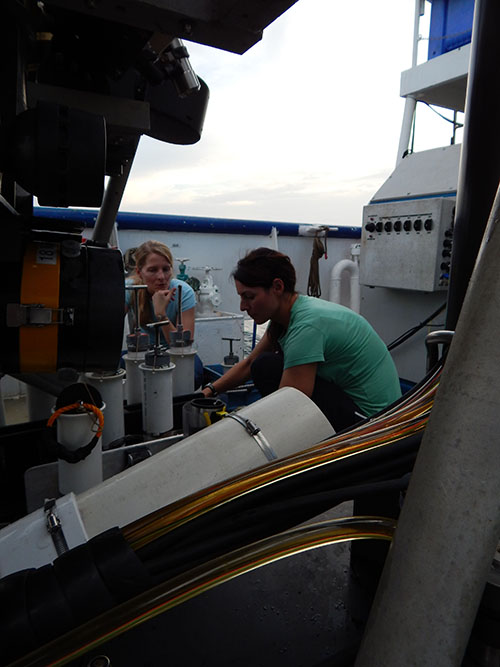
pixel 110 387
pixel 157 411
pixel 26 543
pixel 75 431
pixel 352 268
pixel 288 419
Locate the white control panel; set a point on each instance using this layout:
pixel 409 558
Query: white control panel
pixel 407 244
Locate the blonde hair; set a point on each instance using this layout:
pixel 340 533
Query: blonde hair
pixel 140 256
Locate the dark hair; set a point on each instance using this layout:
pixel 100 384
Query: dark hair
pixel 261 266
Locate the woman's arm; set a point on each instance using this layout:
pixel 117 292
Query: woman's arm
pixel 187 306
pixel 187 324
pixel 188 320
pixel 160 301
pixel 240 372
pixel 301 377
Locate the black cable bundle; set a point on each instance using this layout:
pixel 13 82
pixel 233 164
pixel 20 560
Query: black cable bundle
pixel 279 506
pixel 39 605
pixel 287 502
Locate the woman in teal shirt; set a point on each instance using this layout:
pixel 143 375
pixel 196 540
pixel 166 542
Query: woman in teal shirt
pixel 325 350
pixel 159 302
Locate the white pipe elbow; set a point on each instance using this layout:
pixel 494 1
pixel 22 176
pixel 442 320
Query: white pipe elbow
pixel 352 268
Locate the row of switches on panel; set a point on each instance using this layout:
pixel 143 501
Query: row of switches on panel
pixel 400 225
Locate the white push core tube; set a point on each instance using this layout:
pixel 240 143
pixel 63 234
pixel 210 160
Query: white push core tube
pixel 183 380
pixel 110 387
pixel 133 382
pixel 157 411
pixel 289 421
pixel 75 431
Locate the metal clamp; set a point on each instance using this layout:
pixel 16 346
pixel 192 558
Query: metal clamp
pixel 54 526
pixel 37 315
pixel 255 431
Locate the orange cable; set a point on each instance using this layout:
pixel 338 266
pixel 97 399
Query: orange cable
pixel 74 406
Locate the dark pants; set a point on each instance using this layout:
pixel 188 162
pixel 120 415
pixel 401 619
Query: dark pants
pixel 334 403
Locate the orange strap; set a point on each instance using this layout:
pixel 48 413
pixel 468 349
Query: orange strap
pixel 74 406
pixel 40 285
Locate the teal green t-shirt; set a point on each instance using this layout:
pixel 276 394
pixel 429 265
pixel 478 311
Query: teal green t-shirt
pixel 347 350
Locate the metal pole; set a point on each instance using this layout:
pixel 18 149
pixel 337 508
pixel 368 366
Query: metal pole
pixel 449 526
pixel 404 137
pixel 111 201
pixel 419 11
pixel 410 102
pixel 479 171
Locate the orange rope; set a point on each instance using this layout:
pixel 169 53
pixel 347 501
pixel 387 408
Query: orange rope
pixel 74 406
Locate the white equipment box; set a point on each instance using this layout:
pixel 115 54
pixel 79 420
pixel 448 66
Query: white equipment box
pixel 210 331
pixel 407 244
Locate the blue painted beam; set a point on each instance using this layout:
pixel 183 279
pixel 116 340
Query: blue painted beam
pixel 186 223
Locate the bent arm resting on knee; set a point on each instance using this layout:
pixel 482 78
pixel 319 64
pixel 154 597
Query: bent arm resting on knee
pixel 300 377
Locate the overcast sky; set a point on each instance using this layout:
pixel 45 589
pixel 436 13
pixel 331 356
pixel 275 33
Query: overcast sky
pixel 304 127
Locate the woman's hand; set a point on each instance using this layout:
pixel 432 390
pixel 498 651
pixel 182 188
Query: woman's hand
pixel 161 299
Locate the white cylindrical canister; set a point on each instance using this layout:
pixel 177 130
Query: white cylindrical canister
pixel 110 387
pixel 75 431
pixel 183 380
pixel 133 382
pixel 288 421
pixel 157 411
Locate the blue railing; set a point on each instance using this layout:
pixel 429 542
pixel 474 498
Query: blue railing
pixel 187 223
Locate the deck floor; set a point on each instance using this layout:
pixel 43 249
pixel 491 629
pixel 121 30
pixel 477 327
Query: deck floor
pixel 15 410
